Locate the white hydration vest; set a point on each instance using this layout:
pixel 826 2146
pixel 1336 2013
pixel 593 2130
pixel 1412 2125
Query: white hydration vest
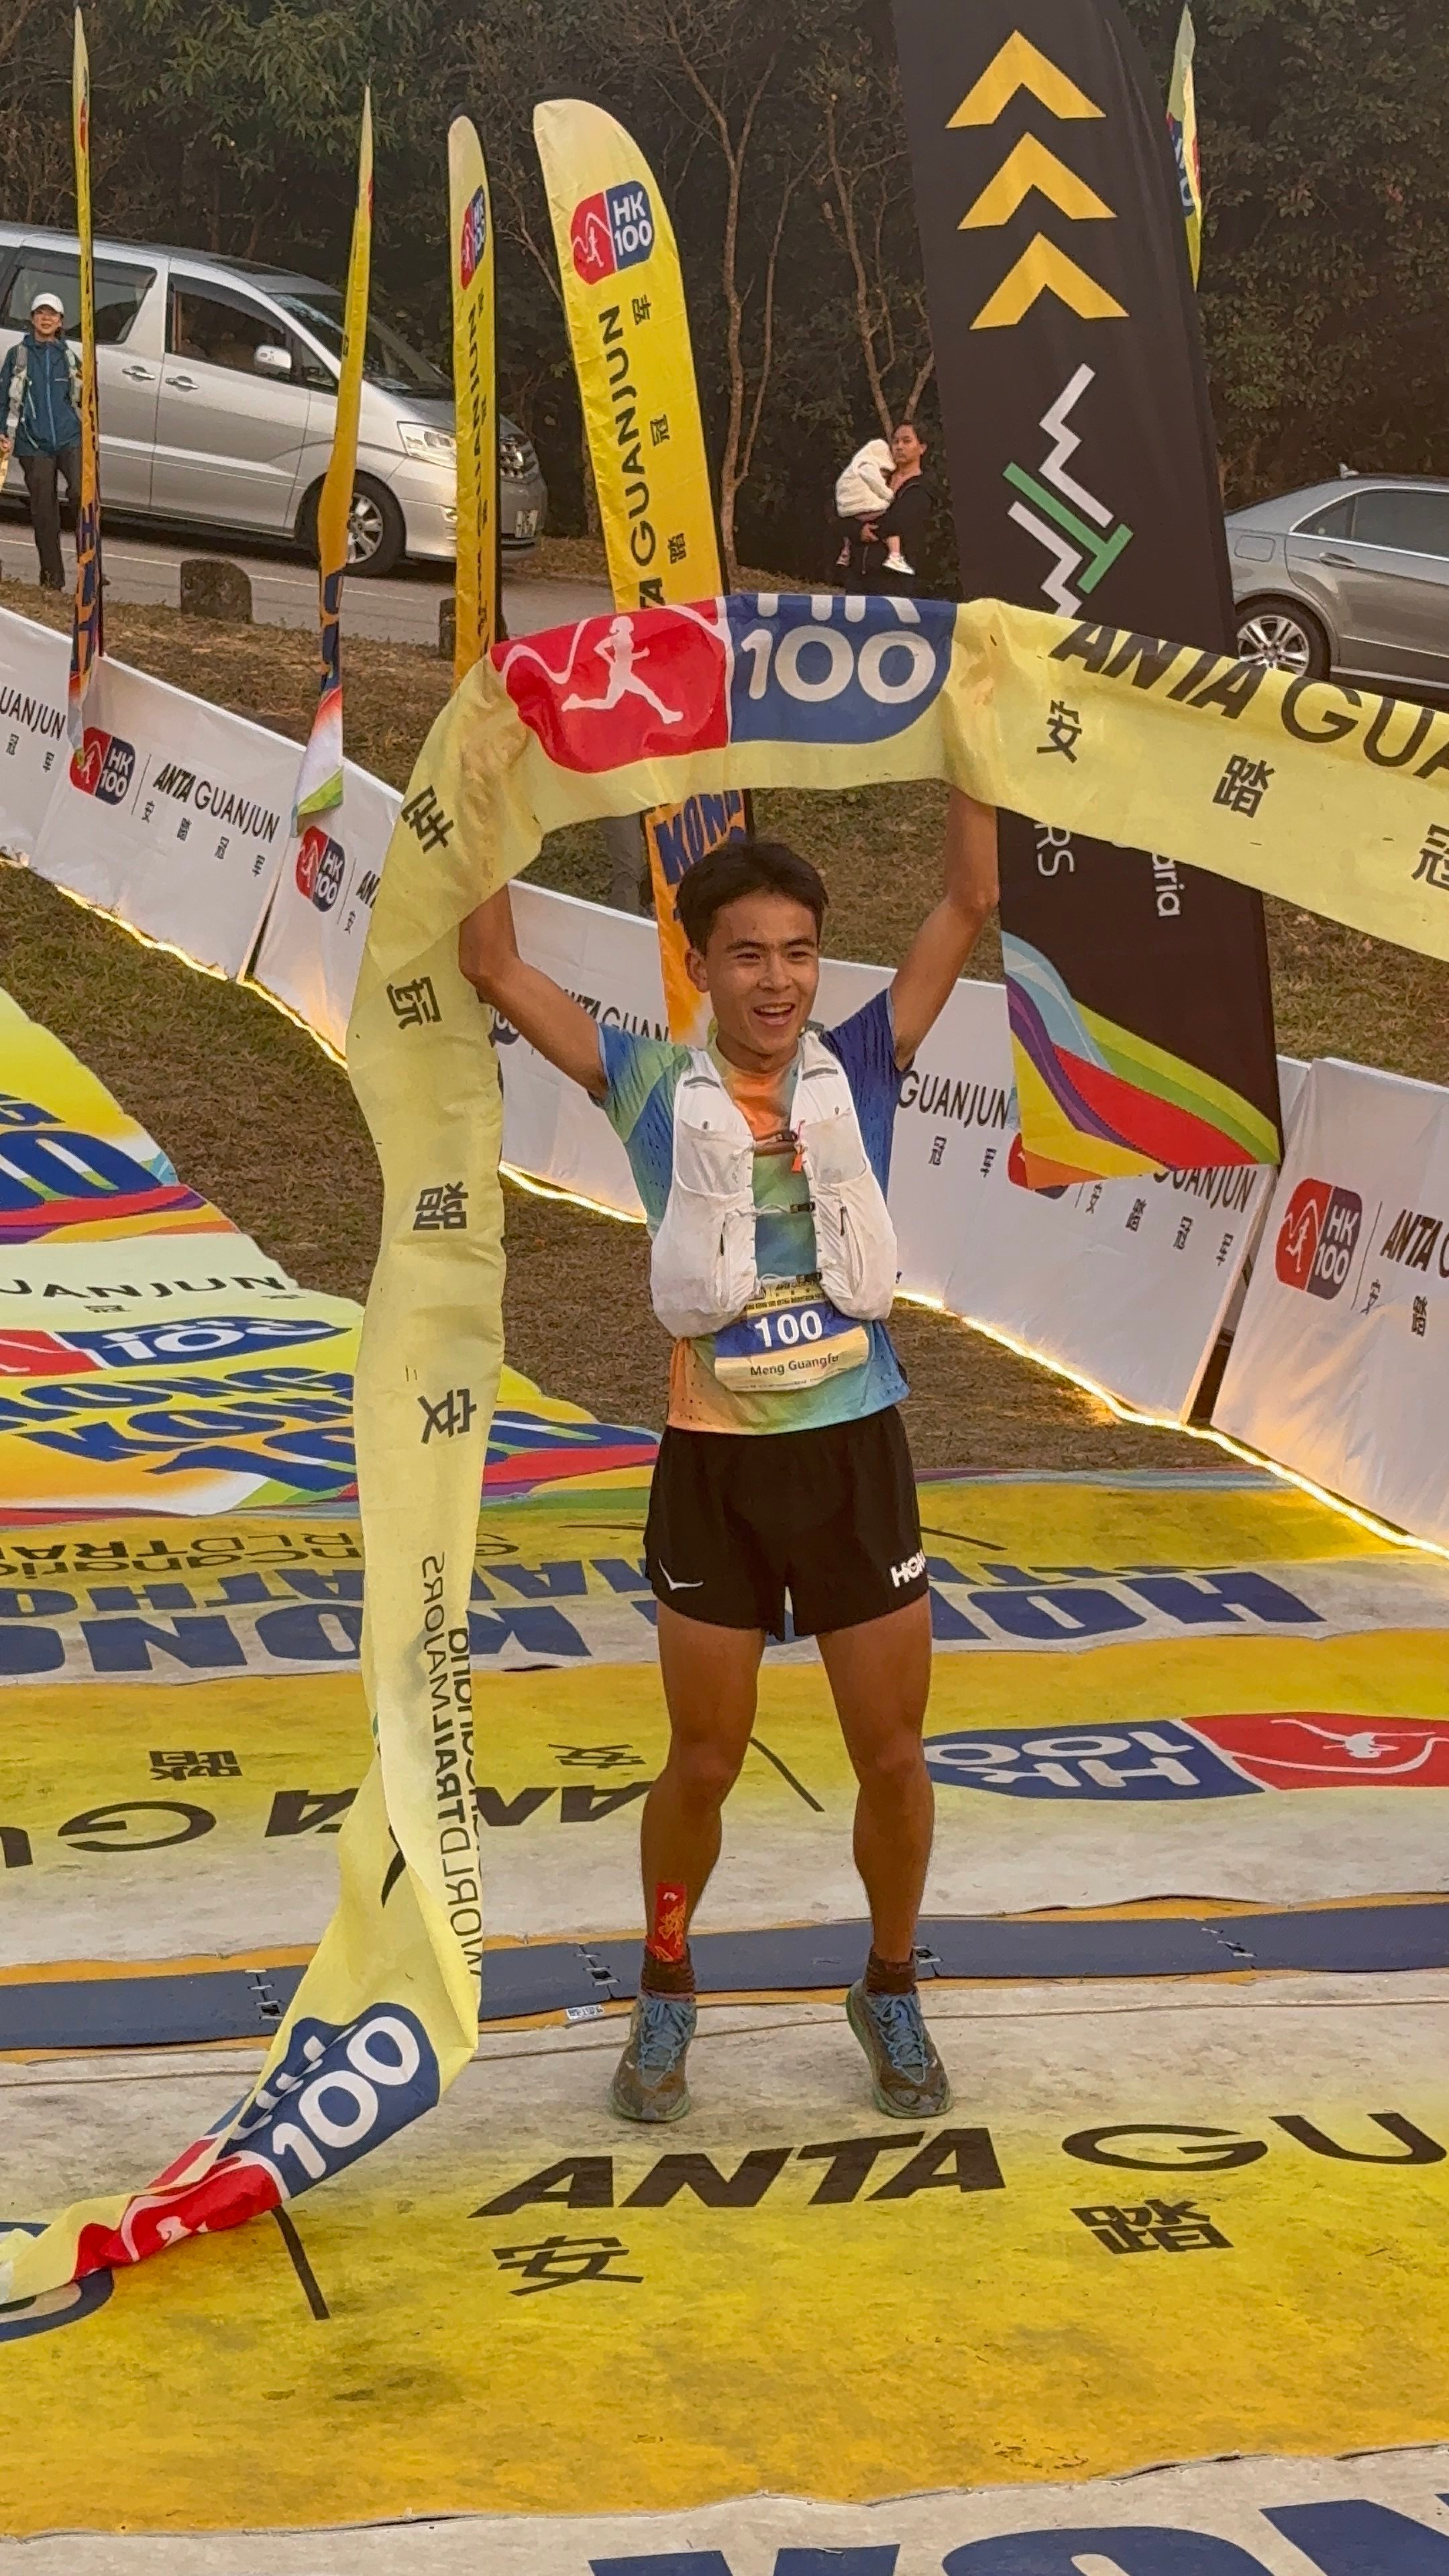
pixel 703 1273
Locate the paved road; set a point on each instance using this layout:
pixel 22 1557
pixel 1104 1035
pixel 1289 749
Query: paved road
pixel 402 610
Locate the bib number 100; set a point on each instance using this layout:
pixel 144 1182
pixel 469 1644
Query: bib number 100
pixel 793 1324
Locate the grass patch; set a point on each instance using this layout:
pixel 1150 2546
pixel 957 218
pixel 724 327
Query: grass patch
pixel 254 1115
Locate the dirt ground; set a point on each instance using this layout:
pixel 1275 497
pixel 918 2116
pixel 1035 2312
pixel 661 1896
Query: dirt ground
pixel 253 1114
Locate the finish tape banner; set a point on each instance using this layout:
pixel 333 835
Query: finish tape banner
pixel 736 693
pixel 1080 447
pixel 75 1167
pixel 623 295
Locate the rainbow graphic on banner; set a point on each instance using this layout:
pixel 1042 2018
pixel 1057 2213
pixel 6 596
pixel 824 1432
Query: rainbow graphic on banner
pixel 1080 1076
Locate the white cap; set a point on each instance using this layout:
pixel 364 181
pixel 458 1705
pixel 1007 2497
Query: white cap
pixel 38 303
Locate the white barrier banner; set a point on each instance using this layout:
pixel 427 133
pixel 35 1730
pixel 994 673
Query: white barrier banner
pixel 316 929
pixel 1340 1368
pixel 34 668
pixel 174 816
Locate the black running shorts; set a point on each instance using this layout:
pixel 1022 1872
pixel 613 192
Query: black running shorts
pixel 738 1520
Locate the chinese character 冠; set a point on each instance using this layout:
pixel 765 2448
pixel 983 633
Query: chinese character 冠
pixel 659 430
pixel 451 1414
pixel 1433 864
pixel 1064 730
pixel 415 1005
pixel 195 1766
pixel 557 2262
pixel 1243 785
pixel 1171 2227
pixel 442 1210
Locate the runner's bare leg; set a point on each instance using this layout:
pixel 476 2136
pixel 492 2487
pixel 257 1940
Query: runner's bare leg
pixel 710 1679
pixel 880 1675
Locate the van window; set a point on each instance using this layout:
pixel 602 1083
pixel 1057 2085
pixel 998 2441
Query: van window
pixel 1416 522
pixel 208 322
pixel 121 291
pixel 387 360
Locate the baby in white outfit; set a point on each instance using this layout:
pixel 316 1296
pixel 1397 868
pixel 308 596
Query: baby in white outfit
pixel 862 492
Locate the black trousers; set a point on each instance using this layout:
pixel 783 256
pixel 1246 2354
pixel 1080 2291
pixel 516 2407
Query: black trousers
pixel 42 482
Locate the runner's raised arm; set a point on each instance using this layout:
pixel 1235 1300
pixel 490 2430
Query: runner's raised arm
pixel 948 934
pixel 538 1008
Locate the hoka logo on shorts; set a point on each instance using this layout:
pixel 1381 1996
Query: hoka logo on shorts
pixel 834 670
pixel 612 230
pixel 338 2094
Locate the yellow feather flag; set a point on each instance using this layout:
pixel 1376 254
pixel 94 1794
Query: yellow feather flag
pixel 475 398
pixel 319 781
pixel 86 643
pixel 1182 126
pixel 623 293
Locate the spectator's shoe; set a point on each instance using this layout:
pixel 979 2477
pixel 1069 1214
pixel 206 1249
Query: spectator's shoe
pixel 649 2080
pixel 906 2075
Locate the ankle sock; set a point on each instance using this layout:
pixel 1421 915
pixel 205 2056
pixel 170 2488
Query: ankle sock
pixel 890 1976
pixel 667 1976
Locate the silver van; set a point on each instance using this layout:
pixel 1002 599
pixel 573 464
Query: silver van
pixel 218 390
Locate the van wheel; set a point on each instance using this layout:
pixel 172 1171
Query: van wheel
pixel 1283 637
pixel 376 532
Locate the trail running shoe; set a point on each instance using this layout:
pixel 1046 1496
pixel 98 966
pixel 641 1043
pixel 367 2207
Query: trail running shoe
pixel 907 2077
pixel 649 2080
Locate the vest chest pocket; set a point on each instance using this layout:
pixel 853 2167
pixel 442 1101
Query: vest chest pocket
pixel 789 1336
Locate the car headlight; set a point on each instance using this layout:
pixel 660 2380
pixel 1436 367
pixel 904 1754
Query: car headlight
pixel 516 458
pixel 434 446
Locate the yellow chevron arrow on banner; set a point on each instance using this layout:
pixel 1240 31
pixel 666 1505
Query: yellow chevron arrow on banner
pixel 1030 165
pixel 1019 65
pixel 1043 267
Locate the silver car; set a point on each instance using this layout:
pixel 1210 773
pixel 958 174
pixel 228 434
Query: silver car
pixel 218 391
pixel 1351 576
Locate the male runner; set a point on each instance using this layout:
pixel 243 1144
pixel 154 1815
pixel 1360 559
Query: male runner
pixel 784 1467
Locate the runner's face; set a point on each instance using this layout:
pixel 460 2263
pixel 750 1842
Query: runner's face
pixel 45 323
pixel 760 970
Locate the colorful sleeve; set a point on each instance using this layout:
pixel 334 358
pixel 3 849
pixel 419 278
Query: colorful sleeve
pixel 639 1105
pixel 865 1046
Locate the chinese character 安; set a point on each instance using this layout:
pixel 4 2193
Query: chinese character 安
pixel 557 2262
pixel 451 1414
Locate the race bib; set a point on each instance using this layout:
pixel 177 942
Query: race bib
pixel 789 1336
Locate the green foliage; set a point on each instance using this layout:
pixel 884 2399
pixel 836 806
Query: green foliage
pixel 776 136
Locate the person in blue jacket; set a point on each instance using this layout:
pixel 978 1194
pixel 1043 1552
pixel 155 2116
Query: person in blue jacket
pixel 40 424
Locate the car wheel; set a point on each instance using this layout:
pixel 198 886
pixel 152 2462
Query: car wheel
pixel 1283 637
pixel 376 532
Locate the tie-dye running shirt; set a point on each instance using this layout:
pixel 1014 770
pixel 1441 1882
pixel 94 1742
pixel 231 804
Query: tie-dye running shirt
pixel 643 1076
